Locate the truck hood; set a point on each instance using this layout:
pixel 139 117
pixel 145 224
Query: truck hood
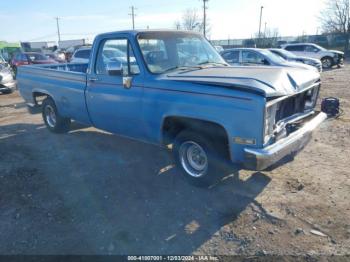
pixel 265 81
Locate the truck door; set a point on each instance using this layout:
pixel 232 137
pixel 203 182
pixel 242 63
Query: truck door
pixel 114 88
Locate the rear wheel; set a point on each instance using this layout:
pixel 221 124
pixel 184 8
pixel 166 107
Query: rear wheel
pixel 53 121
pixel 327 62
pixel 197 158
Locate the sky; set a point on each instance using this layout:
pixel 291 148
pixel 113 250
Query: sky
pixel 34 20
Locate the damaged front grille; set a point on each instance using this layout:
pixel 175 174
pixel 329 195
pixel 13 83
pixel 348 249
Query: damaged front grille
pixel 299 103
pixel 280 114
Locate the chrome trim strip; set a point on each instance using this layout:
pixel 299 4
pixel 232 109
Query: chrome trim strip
pixel 292 119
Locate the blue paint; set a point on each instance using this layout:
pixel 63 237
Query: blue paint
pixel 232 97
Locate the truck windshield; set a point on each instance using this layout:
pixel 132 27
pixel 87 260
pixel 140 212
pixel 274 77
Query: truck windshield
pixel 166 51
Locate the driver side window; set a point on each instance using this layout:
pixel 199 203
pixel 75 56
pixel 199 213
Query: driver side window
pixel 250 57
pixel 311 49
pixel 116 50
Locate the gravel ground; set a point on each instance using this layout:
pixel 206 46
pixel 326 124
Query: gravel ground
pixel 90 192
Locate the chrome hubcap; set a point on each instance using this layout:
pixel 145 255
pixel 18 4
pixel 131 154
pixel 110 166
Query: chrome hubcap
pixel 50 116
pixel 326 63
pixel 193 159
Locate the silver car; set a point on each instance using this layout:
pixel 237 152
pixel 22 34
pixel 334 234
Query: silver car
pixel 7 83
pixel 289 56
pixel 259 57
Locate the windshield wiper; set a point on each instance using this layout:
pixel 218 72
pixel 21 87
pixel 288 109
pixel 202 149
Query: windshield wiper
pixel 214 63
pixel 198 66
pixel 180 68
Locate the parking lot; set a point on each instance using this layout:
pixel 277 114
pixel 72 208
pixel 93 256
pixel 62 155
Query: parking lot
pixel 90 192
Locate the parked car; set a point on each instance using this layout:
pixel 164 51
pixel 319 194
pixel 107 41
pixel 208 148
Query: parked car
pixel 2 60
pixel 208 111
pixel 258 57
pixel 7 83
pixel 57 58
pixel 289 56
pixel 68 52
pixel 29 58
pixel 81 55
pixel 4 63
pixel 328 58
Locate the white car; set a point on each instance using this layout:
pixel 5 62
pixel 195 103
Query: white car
pixel 81 55
pixel 7 83
pixel 328 58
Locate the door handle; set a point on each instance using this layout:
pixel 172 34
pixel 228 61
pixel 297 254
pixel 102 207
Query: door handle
pixel 93 79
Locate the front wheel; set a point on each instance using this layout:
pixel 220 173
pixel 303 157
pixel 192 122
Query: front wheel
pixel 327 62
pixel 197 158
pixel 53 121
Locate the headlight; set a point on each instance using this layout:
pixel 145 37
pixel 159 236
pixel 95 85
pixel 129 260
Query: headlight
pixel 311 98
pixel 270 118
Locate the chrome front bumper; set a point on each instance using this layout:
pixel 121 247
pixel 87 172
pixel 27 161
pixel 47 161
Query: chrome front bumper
pixel 261 158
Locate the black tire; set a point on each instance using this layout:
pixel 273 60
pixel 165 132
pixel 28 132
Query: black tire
pixel 14 69
pixel 213 170
pixel 8 91
pixel 327 62
pixel 53 121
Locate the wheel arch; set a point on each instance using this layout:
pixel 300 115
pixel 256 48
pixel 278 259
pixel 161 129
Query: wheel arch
pixel 36 93
pixel 172 125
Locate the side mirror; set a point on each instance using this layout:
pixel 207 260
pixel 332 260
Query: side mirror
pixel 115 68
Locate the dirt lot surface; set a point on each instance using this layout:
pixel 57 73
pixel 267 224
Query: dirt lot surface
pixel 90 192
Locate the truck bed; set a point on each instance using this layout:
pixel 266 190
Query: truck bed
pixel 79 68
pixel 65 83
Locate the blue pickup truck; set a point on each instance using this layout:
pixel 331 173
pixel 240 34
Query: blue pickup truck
pixel 172 88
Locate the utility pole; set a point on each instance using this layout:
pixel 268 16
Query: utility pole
pixel 58 29
pixel 259 35
pixel 204 16
pixel 133 16
pixel 265 30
